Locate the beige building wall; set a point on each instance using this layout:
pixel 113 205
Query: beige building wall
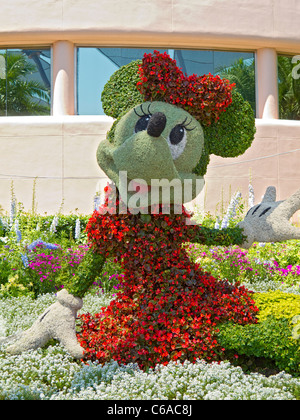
pixel 60 154
pixel 273 159
pixel 59 151
pixel 211 23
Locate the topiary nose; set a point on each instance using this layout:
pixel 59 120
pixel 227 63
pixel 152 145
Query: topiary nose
pixel 156 124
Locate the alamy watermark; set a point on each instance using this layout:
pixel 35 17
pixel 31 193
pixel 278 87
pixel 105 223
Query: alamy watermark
pixel 162 195
pixel 296 69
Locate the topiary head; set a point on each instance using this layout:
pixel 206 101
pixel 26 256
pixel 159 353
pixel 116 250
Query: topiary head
pixel 170 136
pixel 152 142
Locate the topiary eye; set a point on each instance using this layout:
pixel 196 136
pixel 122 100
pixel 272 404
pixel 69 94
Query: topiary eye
pixel 177 140
pixel 177 134
pixel 142 123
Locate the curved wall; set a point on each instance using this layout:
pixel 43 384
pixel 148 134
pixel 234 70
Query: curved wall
pixel 60 150
pixel 213 23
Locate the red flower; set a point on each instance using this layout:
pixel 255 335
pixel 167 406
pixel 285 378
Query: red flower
pixel 204 97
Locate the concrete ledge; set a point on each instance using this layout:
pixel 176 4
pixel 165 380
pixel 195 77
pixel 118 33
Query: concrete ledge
pixel 59 154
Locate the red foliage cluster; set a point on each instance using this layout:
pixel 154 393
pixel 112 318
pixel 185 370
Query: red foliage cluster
pixel 205 97
pixel 168 308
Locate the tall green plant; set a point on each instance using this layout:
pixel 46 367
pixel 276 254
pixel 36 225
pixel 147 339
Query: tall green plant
pixel 18 94
pixel 288 90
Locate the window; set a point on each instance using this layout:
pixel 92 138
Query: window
pixel 96 65
pixel 94 68
pixel 237 67
pixel 25 82
pixel 289 87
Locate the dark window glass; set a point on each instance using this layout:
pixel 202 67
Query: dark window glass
pixel 237 67
pixel 25 82
pixel 96 65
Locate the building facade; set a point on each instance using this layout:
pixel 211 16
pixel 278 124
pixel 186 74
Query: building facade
pixel 56 151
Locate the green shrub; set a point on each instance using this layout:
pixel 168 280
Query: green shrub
pixel 32 225
pixel 231 263
pixel 14 287
pixel 277 304
pixel 283 253
pixel 5 269
pixel 26 268
pixel 120 92
pixel 288 254
pixel 110 279
pixel 49 228
pixel 272 337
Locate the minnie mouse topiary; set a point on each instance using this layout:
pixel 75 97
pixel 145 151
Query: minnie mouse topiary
pixel 169 308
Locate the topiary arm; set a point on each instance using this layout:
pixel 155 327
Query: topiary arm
pixel 222 237
pixel 269 221
pixel 89 268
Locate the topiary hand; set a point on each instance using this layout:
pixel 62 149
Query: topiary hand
pixel 269 220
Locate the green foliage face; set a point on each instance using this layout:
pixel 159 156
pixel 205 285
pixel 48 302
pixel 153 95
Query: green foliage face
pixel 155 141
pixel 230 136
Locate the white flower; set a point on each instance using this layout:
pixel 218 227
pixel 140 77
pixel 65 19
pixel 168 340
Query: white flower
pixel 52 374
pixel 77 229
pixel 2 327
pixel 231 210
pixel 12 211
pixel 217 224
pixel 54 224
pixel 97 202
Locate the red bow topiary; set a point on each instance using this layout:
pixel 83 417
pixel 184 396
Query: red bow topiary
pixel 204 97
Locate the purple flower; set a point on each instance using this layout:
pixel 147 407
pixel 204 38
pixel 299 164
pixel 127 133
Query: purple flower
pixel 24 260
pixel 19 235
pixel 42 244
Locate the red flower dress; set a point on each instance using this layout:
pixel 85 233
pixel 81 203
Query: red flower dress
pixel 168 308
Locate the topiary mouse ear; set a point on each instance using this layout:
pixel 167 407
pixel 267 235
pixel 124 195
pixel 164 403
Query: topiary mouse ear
pixel 120 92
pixel 233 133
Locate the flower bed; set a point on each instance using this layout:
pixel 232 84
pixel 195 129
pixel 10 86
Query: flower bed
pixel 52 374
pixel 269 346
